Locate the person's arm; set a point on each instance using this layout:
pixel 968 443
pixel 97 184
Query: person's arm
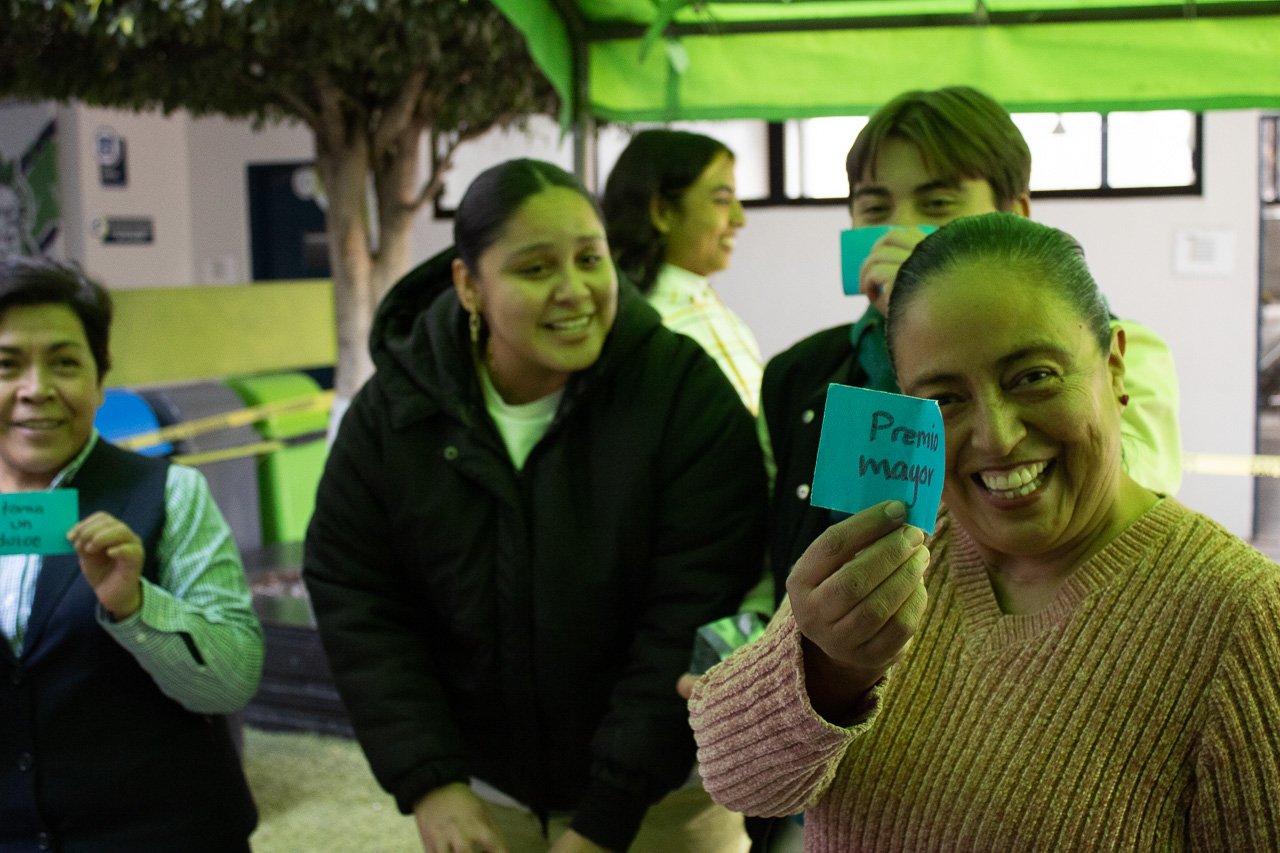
pixel 772 721
pixel 762 750
pixel 766 447
pixel 1237 761
pixel 706 547
pixel 1149 435
pixel 371 623
pixel 761 598
pixel 195 631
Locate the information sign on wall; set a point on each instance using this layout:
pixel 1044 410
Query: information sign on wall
pixel 109 148
pixel 124 229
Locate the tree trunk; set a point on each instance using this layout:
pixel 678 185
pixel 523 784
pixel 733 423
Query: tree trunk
pixel 362 274
pixel 345 174
pixel 395 184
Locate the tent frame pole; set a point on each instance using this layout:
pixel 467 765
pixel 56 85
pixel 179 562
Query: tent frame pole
pixel 584 124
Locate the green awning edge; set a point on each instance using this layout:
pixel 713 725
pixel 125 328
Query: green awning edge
pixel 548 39
pixel 1133 65
pixel 765 113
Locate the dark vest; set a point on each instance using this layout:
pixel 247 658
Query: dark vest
pixel 793 395
pixel 93 757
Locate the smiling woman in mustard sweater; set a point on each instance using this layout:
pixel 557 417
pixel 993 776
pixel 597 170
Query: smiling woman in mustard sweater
pixel 1098 666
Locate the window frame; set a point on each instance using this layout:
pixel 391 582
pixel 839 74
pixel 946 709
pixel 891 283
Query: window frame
pixel 776 165
pixel 777 154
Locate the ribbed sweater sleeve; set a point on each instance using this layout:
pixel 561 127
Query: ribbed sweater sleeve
pixel 1237 762
pixel 762 749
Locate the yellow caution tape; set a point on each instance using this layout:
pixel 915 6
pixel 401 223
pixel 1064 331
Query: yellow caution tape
pixel 222 454
pixel 1199 463
pixel 1240 465
pixel 321 402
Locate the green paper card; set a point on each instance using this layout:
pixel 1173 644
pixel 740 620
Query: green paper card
pixel 37 522
pixel 876 447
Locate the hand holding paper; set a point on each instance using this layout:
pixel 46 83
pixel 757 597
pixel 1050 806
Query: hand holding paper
pixel 857 594
pixel 871 255
pixel 111 557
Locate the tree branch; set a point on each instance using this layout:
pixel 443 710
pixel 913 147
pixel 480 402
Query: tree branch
pixel 397 116
pixel 294 103
pixel 332 125
pixel 441 163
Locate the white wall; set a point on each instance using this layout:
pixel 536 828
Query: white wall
pixel 220 151
pixel 785 279
pixel 158 188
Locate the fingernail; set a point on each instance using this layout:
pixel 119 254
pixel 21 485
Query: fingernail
pixel 895 510
pixel 913 536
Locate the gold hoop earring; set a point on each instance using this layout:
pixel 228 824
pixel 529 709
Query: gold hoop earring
pixel 473 326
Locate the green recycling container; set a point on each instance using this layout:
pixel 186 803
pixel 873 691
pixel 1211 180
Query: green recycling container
pixel 287 478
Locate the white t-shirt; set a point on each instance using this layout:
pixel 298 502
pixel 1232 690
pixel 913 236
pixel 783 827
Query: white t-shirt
pixel 521 425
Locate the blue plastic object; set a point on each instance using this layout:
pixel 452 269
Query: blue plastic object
pixel 124 414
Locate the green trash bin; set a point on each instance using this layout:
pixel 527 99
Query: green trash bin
pixel 287 478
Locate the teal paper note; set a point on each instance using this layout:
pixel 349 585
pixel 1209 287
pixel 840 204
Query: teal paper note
pixel 37 522
pixel 855 245
pixel 877 447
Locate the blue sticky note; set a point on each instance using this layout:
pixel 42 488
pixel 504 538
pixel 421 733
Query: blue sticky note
pixel 876 447
pixel 855 245
pixel 37 522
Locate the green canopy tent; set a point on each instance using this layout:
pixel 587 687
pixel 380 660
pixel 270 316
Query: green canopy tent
pixel 661 60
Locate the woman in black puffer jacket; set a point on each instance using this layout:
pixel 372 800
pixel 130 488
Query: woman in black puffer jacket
pixel 525 516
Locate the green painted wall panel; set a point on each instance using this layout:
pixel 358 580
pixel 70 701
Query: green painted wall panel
pixel 179 334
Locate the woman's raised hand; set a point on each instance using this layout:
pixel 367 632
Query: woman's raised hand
pixel 857 594
pixel 111 557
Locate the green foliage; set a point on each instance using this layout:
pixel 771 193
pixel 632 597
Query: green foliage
pixel 275 58
pixel 369 77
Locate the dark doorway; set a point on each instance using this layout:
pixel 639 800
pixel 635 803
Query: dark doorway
pixel 286 222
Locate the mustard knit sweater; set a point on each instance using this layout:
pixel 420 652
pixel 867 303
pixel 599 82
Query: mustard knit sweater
pixel 1139 711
